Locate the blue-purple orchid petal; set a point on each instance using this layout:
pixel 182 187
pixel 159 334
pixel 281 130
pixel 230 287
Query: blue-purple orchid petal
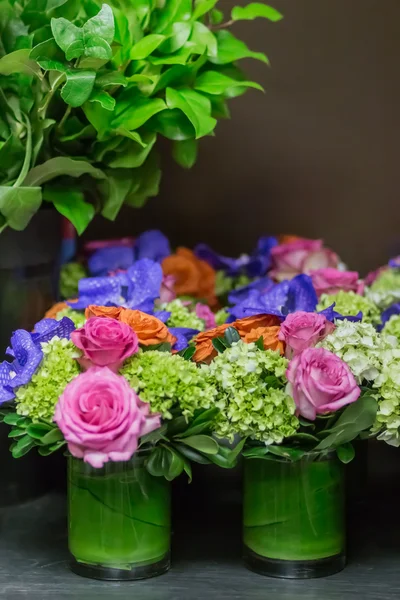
pixel 331 315
pixel 152 244
pixel 110 259
pixel 394 309
pixel 241 293
pixel 146 277
pixel 163 315
pixel 183 336
pixel 28 356
pixel 6 377
pixel 46 329
pixel 102 291
pixel 394 263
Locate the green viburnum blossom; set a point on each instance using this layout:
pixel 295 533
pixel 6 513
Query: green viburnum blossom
pixel 70 275
pixel 38 398
pixel 78 318
pixel 225 283
pixel 182 316
pixel 387 425
pixel 360 346
pixel 350 304
pixel 392 327
pixel 221 316
pixel 251 394
pixel 386 289
pixel 167 381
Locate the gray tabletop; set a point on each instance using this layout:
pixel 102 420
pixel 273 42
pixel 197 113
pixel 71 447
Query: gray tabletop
pixel 206 559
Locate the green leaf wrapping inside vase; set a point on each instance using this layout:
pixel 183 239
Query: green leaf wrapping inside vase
pixel 71 203
pixel 195 106
pixel 19 204
pixel 255 10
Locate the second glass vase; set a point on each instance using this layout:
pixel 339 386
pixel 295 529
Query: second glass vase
pixel 119 520
pixel 294 517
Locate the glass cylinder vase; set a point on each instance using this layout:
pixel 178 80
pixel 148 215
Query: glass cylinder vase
pixel 293 522
pixel 119 520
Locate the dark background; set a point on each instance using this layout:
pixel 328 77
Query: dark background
pixel 316 155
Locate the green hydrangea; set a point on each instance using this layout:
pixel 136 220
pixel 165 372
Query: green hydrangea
pixel 167 381
pixel 387 425
pixel 360 346
pixel 392 328
pixel 386 289
pixel 38 398
pixel 350 304
pixel 251 404
pixel 225 283
pixel 221 316
pixel 182 316
pixel 78 318
pixel 70 275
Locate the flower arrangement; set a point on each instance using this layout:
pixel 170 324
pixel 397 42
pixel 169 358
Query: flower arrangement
pixel 88 94
pixel 106 390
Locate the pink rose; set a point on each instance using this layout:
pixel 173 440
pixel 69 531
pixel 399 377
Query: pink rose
pixel 302 256
pixel 302 330
pixel 105 342
pixel 167 292
pixel 102 418
pixel 331 281
pixel 320 382
pixel 204 312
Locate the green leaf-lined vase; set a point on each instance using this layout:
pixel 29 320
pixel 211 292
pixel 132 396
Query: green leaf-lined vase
pixel 294 516
pixel 119 520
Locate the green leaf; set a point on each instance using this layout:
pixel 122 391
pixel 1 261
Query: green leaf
pixel 146 183
pixel 23 446
pixel 172 11
pixel 219 345
pixel 187 468
pixel 231 49
pixel 146 46
pixel 202 7
pixel 19 204
pixel 196 107
pixel 216 17
pixel 212 82
pixel 38 430
pixel 106 101
pixel 205 415
pixel 173 125
pixel 78 87
pixel 111 79
pixel 48 50
pixel 61 165
pixel 345 453
pixel 260 343
pixel 71 204
pixel 303 437
pixel 187 353
pixel 202 443
pixel 192 454
pixel 196 429
pixel 134 155
pixel 154 436
pixel 15 432
pixel 115 190
pixel 255 10
pixel 55 435
pixel 176 466
pixel 185 154
pixel 292 454
pixel 134 111
pixel 204 40
pixel 11 418
pixel 178 58
pixel 52 65
pixel 255 452
pixel 93 39
pixel 19 62
pixel 177 36
pixel 231 336
pixel 159 461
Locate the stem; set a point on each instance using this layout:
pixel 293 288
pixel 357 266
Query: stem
pixel 223 25
pixel 42 109
pixel 28 154
pixel 65 117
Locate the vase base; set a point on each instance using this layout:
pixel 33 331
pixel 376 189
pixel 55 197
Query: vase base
pixel 293 569
pixel 105 573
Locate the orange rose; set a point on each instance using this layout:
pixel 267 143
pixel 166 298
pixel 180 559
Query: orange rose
pixel 247 324
pixel 288 239
pixel 55 309
pixel 205 351
pixel 149 329
pixel 266 326
pixel 193 277
pixel 112 312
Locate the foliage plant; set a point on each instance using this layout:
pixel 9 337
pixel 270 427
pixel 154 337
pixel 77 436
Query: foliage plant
pixel 87 90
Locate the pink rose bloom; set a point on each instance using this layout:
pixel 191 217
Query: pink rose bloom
pixel 102 418
pixel 204 312
pixel 320 382
pixel 331 281
pixel 301 330
pixel 302 256
pixel 105 342
pixel 167 292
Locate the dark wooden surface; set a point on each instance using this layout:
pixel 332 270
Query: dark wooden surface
pixel 205 552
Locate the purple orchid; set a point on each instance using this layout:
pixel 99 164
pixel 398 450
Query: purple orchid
pixel 254 265
pixel 152 244
pixel 241 293
pixel 183 336
pixel 394 309
pixel 46 329
pixel 394 263
pixel 113 258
